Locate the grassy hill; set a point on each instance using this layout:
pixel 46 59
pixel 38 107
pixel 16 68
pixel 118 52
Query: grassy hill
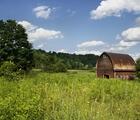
pixel 75 95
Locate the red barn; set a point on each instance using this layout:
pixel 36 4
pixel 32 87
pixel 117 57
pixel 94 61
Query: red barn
pixel 115 65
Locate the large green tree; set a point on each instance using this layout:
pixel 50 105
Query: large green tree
pixel 14 45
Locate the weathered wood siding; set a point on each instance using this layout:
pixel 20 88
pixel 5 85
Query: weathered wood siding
pixel 124 75
pixel 104 67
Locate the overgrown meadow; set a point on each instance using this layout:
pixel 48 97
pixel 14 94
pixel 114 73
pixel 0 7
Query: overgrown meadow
pixel 75 95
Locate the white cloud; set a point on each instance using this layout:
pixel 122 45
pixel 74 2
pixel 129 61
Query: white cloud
pixel 44 34
pixel 120 47
pixel 131 34
pixel 128 39
pixel 43 12
pixel 90 47
pixel 62 51
pixel 90 44
pixel 125 42
pixel 36 33
pixel 115 8
pixel 117 48
pixel 122 43
pixel 83 52
pixel 27 25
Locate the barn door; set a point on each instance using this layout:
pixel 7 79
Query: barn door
pixel 106 76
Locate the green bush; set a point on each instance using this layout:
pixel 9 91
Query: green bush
pixel 57 67
pixel 9 70
pixel 60 67
pixel 53 64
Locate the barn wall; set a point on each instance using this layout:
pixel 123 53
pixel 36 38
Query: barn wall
pixel 104 67
pixel 124 74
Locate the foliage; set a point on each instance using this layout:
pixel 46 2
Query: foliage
pixel 138 68
pixel 71 61
pixel 9 71
pixel 75 95
pixel 53 64
pixel 40 59
pixel 61 67
pixel 14 45
pixel 47 62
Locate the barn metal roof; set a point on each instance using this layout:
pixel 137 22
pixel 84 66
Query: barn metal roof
pixel 121 62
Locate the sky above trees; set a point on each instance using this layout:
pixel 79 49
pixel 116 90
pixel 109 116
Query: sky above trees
pixel 78 26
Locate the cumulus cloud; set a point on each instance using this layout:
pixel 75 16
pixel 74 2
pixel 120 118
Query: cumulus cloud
pixel 90 44
pixel 115 8
pixel 62 51
pixel 131 34
pixel 90 47
pixel 27 25
pixel 83 52
pixel 125 44
pixel 127 39
pixel 42 34
pixel 118 48
pixel 43 12
pixel 36 33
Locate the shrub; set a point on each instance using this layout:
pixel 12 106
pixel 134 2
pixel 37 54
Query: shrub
pixel 54 64
pixel 56 67
pixel 9 70
pixel 61 67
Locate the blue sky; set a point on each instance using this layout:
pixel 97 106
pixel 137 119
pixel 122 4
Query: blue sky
pixel 78 26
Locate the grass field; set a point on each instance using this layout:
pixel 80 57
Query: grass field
pixel 75 95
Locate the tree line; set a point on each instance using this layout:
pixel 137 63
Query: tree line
pixel 52 61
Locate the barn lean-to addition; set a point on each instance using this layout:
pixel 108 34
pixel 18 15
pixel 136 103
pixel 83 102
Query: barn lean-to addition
pixel 115 65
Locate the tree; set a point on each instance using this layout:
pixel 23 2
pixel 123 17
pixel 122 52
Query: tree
pixel 40 59
pixel 60 67
pixel 138 67
pixel 14 45
pixel 48 62
pixel 54 64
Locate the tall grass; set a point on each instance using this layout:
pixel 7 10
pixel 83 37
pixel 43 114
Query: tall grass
pixel 75 95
